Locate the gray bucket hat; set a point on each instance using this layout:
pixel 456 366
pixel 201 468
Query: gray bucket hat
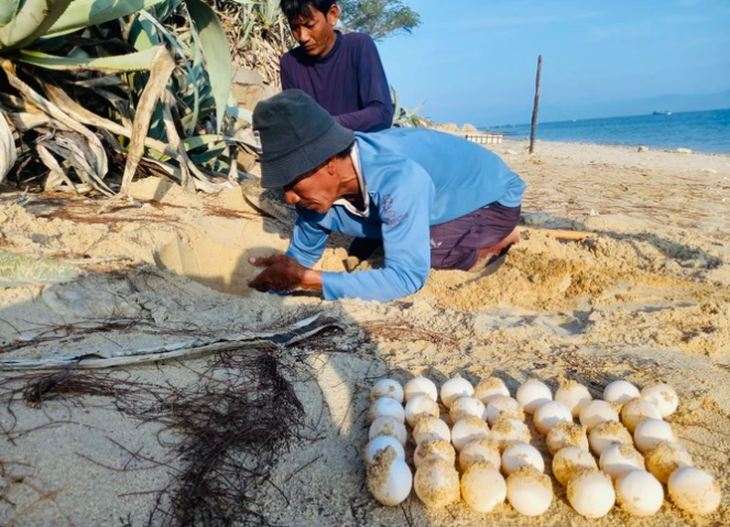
pixel 297 135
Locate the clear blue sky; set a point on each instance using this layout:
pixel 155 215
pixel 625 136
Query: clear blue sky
pixel 475 60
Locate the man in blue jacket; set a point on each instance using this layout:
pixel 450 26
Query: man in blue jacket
pixel 436 200
pixel 343 73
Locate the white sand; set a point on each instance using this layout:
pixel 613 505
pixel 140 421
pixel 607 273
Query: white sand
pixel 647 300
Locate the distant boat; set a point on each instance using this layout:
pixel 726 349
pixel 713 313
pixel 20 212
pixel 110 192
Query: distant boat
pixel 662 112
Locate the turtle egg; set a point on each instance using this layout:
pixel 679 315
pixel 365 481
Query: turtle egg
pixel 665 458
pixel 508 430
pixel 434 449
pixel 455 388
pixel 569 461
pixel 529 491
pixel 387 388
pixel 483 487
pixel 381 443
pixel 651 432
pixel 420 406
pixel 550 414
pixel 662 396
pixel 573 395
pixel 639 493
pixel 467 407
pixel 532 394
pixel 504 406
pixel 566 434
pixel 480 451
pixel 519 455
pixel 489 389
pixel 420 386
pixel 596 412
pixel 619 459
pixel 389 478
pixel 431 427
pixel 636 410
pixel 388 426
pixel 694 491
pixel 437 483
pixel 620 392
pixel 605 434
pixel 591 493
pixel 385 406
pixel 466 430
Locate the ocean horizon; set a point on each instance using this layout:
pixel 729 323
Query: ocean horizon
pixel 705 131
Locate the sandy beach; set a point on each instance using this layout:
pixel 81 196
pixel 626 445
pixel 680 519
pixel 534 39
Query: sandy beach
pixel 646 298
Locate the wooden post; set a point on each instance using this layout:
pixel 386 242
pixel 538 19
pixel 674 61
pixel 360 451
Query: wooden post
pixel 537 104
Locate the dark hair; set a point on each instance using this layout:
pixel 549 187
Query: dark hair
pixel 346 152
pixel 296 9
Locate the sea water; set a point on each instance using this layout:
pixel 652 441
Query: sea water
pixel 707 131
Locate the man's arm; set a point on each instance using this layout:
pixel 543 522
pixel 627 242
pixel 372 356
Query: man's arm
pixel 374 91
pixel 406 236
pixel 286 77
pixel 308 242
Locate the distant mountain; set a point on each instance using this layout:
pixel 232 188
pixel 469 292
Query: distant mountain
pixel 670 102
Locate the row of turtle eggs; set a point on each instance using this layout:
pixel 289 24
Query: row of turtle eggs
pixel 591 494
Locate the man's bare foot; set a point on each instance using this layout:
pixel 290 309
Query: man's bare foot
pixel 496 250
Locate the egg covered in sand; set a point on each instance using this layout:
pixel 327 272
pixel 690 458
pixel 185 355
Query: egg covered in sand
pixel 591 493
pixel 570 461
pixel 550 414
pixel 573 395
pixel 437 483
pixel 454 388
pixel 665 458
pixel 639 493
pixel 480 451
pixel 490 388
pixel 466 430
pixel 606 434
pixel 387 388
pixel 420 386
pixel 508 430
pixel 651 432
pixel 596 412
pixel 420 406
pixel 387 406
pixel 430 427
pixel 532 394
pixel 381 443
pixel 620 392
pixel 467 407
pixel 483 487
pixel 529 491
pixel 389 478
pixel 434 449
pixel 504 406
pixel 519 455
pixel 663 397
pixel 388 426
pixel 567 434
pixel 636 411
pixel 619 459
pixel 694 491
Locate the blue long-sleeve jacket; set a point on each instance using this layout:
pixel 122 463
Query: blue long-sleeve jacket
pixel 414 178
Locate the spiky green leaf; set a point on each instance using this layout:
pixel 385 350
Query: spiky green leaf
pixel 31 22
pixel 139 61
pixel 214 44
pixel 84 13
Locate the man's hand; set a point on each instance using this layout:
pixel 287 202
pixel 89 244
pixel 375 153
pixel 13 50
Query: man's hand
pixel 284 274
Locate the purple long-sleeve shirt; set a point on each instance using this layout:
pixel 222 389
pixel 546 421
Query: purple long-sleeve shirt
pixel 349 82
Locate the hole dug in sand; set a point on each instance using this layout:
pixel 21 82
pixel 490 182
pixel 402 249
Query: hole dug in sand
pixel 217 255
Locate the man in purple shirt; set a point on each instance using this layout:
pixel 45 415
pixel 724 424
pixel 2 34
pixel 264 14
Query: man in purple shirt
pixel 343 73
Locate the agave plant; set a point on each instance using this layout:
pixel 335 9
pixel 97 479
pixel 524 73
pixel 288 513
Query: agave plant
pixel 405 118
pixel 145 81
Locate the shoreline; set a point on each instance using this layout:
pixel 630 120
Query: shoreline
pixel 505 138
